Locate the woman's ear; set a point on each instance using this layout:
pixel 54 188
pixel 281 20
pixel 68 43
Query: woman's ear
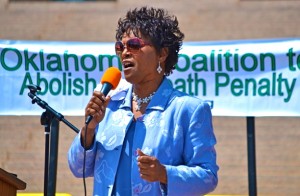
pixel 163 54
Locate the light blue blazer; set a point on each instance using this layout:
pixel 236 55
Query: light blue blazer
pixel 176 128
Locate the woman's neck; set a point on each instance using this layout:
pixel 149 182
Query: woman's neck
pixel 145 89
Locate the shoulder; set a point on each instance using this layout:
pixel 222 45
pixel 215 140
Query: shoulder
pixel 188 106
pixel 188 100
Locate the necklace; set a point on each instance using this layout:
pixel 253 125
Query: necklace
pixel 140 101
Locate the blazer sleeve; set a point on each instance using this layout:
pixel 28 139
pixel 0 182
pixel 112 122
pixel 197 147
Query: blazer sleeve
pixel 76 158
pixel 198 174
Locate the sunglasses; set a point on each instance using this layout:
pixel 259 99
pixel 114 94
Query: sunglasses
pixel 132 45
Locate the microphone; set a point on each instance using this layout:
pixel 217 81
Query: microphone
pixel 110 80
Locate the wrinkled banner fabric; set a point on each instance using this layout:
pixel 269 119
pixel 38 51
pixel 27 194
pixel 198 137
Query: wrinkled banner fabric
pixel 237 78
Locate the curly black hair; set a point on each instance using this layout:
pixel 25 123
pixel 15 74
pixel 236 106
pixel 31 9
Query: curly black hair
pixel 156 25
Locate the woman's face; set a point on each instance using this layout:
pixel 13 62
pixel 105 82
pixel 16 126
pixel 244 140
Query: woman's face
pixel 139 66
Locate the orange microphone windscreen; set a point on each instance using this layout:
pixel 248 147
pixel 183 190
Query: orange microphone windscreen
pixel 112 76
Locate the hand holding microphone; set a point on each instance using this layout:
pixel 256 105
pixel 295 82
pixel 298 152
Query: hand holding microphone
pixel 95 109
pixel 98 102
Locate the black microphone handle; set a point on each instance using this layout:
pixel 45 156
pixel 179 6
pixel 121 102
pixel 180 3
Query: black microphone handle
pixel 106 87
pixel 88 119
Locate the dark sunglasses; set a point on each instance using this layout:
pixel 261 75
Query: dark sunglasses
pixel 132 45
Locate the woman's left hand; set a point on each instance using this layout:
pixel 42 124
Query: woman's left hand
pixel 150 168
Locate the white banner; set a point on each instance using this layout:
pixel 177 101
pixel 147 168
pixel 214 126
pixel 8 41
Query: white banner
pixel 238 78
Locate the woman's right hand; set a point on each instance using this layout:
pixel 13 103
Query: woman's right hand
pixel 96 107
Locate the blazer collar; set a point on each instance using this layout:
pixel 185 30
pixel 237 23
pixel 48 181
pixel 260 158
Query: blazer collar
pixel 162 96
pixel 158 102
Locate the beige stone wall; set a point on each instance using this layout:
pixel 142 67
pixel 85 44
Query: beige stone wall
pixel 277 139
pixel 22 145
pixel 199 19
